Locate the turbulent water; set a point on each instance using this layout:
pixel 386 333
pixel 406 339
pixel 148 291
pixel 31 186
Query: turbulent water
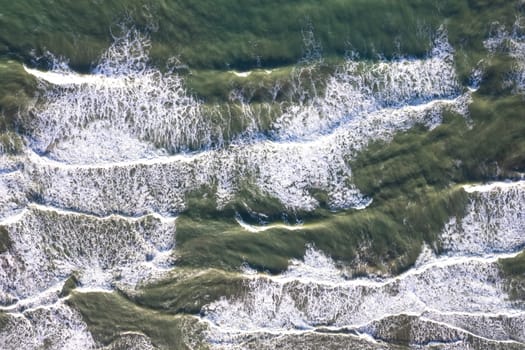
pixel 113 159
pixel 444 299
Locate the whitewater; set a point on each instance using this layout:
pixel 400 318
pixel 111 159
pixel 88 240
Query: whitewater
pixel 113 155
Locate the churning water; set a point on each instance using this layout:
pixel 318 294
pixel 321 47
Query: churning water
pixel 114 155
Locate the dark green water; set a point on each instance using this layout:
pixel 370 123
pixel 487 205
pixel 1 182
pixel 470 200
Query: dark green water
pixel 250 175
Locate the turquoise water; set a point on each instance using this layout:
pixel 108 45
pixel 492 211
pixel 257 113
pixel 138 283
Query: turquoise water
pixel 180 175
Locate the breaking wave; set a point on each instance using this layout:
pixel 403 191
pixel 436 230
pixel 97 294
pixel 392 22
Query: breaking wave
pixel 110 168
pixel 139 107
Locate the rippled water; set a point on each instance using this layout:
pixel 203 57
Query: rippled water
pixel 124 167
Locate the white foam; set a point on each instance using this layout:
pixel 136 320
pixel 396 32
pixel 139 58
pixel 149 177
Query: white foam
pixel 494 221
pixel 125 93
pixel 101 143
pixel 72 78
pixel 513 43
pixel 13 189
pixel 44 298
pixel 283 303
pixel 49 245
pixel 315 267
pixel 499 326
pixel 359 89
pixel 131 341
pixel 492 186
pixel 104 136
pixel 458 293
pixel 54 327
pixel 313 140
pixel 262 228
pixel 422 331
pixel 287 170
pixel 242 74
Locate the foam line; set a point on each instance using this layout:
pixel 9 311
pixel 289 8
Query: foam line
pixel 255 228
pixel 489 187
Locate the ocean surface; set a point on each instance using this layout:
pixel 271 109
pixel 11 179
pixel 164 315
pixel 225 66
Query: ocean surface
pixel 262 174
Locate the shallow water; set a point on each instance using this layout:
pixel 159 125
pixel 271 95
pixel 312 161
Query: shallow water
pixel 173 176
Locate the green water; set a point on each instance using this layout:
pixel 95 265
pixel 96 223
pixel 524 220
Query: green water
pixel 414 179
